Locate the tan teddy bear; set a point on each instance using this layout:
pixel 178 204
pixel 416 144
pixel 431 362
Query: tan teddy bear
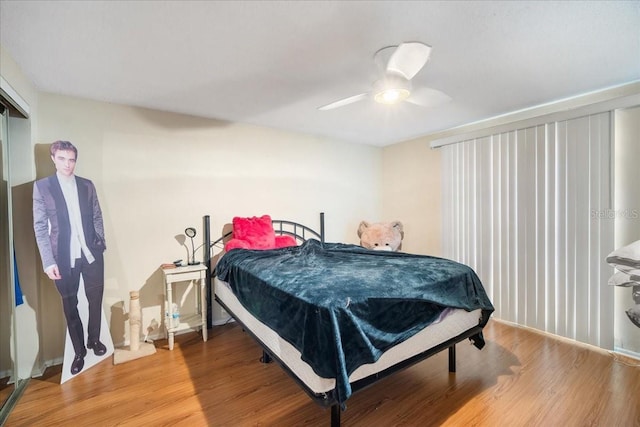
pixel 381 236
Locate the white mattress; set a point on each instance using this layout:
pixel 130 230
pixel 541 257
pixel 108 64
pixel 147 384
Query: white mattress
pixel 453 324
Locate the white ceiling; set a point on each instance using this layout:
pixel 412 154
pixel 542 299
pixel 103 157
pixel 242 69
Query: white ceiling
pixel 272 63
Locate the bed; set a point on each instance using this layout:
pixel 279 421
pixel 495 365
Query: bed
pixel 339 317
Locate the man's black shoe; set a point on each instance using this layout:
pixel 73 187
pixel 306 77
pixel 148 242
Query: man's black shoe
pixel 98 348
pixel 78 364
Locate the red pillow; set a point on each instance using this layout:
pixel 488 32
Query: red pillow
pixel 285 241
pixel 256 231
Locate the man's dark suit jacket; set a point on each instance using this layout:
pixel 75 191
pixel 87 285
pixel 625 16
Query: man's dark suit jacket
pixel 52 226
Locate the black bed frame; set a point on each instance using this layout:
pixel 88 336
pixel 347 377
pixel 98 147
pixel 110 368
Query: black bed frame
pixel 302 233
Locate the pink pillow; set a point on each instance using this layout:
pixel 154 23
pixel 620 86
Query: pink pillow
pixel 285 241
pixel 256 231
pixel 236 244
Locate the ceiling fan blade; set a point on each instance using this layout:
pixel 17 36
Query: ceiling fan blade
pixel 427 97
pixel 408 59
pixel 343 102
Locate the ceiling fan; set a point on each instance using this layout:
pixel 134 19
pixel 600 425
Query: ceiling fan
pixel 403 63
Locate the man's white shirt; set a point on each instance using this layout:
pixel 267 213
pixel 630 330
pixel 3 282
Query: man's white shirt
pixel 78 243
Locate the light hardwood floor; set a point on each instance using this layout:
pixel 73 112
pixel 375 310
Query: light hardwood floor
pixel 520 378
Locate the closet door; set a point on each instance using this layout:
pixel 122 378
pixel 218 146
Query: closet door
pixel 8 366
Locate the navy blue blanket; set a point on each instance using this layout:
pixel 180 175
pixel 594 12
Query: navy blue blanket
pixel 342 305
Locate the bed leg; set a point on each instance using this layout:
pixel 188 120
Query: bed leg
pixel 265 357
pixel 452 358
pixel 335 415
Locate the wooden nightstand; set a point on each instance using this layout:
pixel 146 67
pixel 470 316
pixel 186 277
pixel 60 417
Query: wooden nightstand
pixel 194 275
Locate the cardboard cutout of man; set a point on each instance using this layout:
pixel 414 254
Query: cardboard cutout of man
pixel 70 235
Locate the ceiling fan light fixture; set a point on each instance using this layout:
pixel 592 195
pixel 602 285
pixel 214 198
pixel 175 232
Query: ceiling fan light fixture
pixel 391 89
pixel 398 66
pixel 391 96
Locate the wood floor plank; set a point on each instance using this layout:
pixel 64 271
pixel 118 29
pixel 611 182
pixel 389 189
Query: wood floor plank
pixel 520 378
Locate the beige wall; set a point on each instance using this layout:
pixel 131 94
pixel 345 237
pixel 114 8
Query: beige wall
pixel 412 194
pixel 157 173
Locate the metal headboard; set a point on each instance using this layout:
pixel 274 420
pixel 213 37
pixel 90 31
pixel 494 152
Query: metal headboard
pixel 281 227
pixel 298 231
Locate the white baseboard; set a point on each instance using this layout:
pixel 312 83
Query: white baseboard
pixel 626 352
pixel 222 321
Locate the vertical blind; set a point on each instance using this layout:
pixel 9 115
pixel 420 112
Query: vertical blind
pixel 527 209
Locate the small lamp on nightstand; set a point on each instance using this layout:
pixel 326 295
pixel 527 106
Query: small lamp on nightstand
pixel 190 232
